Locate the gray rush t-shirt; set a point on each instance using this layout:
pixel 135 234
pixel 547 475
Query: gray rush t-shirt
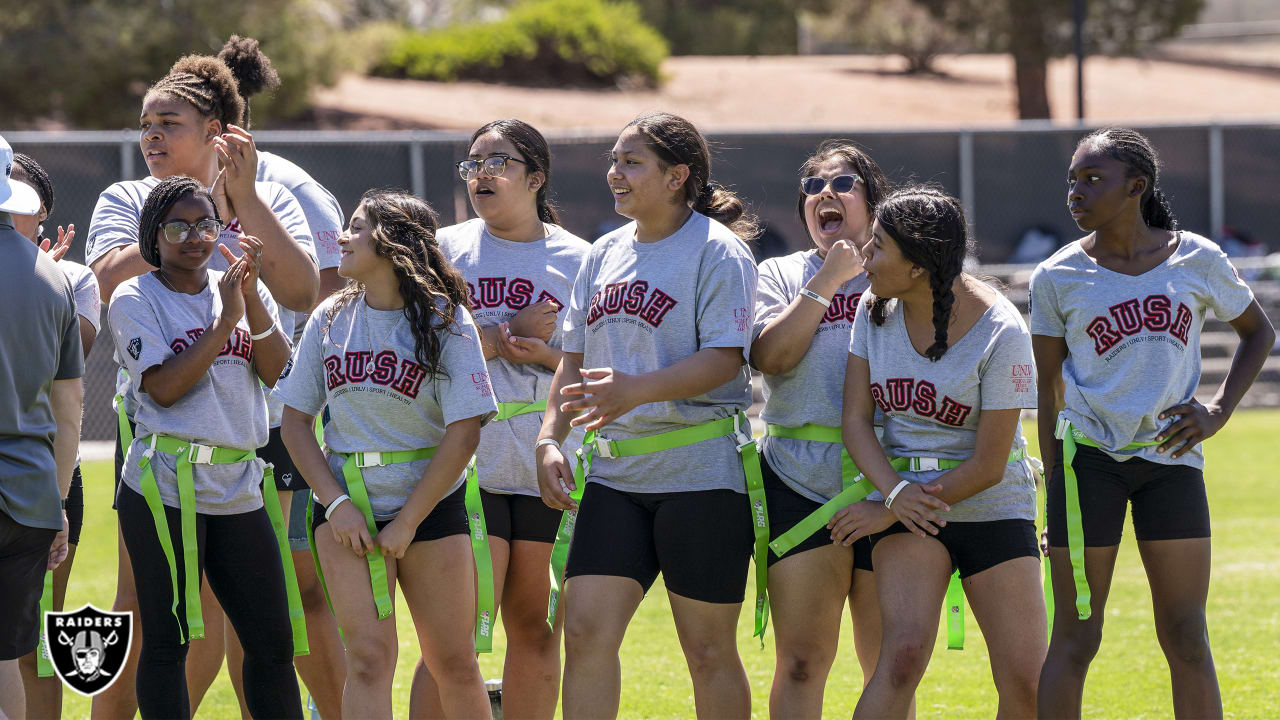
pixel 225 408
pixel 1133 343
pixel 931 409
pixel 85 286
pixel 39 343
pixel 639 307
pixel 115 224
pixel 812 391
pixel 396 407
pixel 502 278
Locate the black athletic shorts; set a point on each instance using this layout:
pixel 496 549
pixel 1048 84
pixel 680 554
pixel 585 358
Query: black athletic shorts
pixel 788 507
pixel 24 556
pixel 448 517
pixel 120 451
pixel 74 507
pixel 1169 501
pixel 978 546
pixel 288 479
pixel 519 517
pixel 700 541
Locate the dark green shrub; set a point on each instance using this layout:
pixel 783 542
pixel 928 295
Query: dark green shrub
pixel 539 42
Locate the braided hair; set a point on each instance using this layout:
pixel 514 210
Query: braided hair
pixel 537 155
pixel 404 231
pixel 930 229
pixel 875 184
pixel 1140 159
pixel 164 196
pixel 251 68
pixel 208 84
pixel 38 177
pixel 677 142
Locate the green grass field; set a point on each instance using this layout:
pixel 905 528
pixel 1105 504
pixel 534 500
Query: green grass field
pixel 1129 678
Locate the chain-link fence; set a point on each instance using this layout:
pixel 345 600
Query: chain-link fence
pixel 1011 181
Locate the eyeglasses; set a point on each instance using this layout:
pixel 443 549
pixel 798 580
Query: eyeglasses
pixel 492 166
pixel 839 183
pixel 177 231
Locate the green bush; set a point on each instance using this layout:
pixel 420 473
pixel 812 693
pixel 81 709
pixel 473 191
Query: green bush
pixel 539 42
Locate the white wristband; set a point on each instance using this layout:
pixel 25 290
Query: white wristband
pixel 265 333
pixel 334 505
pixel 546 441
pixel 888 501
pixel 815 297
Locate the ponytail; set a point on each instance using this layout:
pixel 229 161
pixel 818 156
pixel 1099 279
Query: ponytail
pixel 728 209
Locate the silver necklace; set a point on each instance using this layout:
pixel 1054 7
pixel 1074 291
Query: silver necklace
pixel 368 331
pixel 166 282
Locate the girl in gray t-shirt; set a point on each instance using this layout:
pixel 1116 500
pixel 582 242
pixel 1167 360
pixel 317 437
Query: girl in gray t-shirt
pixel 519 266
pixel 947 360
pixel 1116 318
pixel 396 359
pixel 655 339
pixel 197 343
pixel 805 304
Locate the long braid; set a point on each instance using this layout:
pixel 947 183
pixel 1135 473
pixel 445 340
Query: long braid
pixel 403 229
pixel 162 197
pixel 1134 150
pixel 929 228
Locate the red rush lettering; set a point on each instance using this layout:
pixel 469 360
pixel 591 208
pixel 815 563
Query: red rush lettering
pixel 514 293
pixel 633 298
pixel 919 397
pixel 1152 314
pixel 843 308
pixel 389 370
pixel 239 344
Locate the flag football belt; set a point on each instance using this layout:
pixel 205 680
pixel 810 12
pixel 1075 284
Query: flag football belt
pixel 508 410
pixel 352 466
pixel 855 486
pixel 1071 436
pixel 189 454
pixel 737 427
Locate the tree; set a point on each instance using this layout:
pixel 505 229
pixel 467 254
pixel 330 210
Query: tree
pixel 88 63
pixel 1032 31
pixel 729 27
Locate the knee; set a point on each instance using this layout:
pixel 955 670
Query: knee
pixel 1186 639
pixel 906 662
pixel 1079 642
pixel 370 660
pixel 707 657
pixel 804 665
pixel 455 668
pixel 313 599
pixel 583 633
pixel 529 634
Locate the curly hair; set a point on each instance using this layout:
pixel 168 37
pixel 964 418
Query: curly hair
pixel 930 229
pixel 677 142
pixel 251 68
pixel 1140 159
pixel 208 84
pixel 164 196
pixel 404 231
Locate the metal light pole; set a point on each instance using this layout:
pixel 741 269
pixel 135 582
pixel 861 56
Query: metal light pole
pixel 1079 15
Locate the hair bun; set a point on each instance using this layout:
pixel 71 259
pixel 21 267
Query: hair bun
pixel 252 69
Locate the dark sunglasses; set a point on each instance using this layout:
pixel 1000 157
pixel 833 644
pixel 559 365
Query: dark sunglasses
pixel 839 183
pixel 177 231
pixel 493 166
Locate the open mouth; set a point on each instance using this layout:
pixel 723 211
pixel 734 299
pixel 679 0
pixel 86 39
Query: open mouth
pixel 483 191
pixel 154 153
pixel 829 220
pixel 618 192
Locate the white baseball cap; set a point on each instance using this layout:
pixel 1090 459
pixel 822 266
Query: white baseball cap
pixel 15 197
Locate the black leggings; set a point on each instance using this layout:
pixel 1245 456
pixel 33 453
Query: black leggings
pixel 238 556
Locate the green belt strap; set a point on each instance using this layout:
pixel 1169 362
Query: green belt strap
pixel 485 613
pixel 188 453
pixel 855 486
pixel 1071 436
pixel 126 435
pixel 739 428
pixel 315 556
pixel 44 666
pixel 955 613
pixel 1048 576
pixel 568 519
pixel 508 410
pixel 297 618
pixel 351 471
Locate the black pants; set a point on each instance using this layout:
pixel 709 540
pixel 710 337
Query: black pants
pixel 237 553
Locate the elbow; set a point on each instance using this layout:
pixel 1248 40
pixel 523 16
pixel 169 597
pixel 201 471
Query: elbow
pixel 163 401
pixel 767 364
pixel 466 435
